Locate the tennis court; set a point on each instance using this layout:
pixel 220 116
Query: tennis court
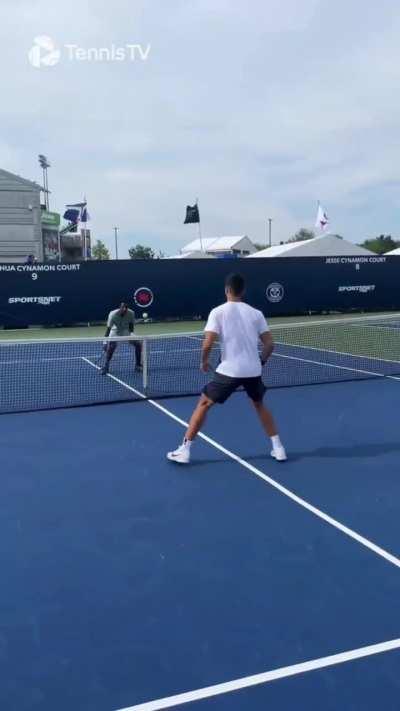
pixel 235 583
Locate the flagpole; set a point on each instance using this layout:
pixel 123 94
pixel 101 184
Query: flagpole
pixel 200 237
pixel 85 238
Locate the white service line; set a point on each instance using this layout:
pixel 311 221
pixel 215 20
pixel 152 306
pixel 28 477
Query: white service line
pixel 347 320
pixel 339 367
pixel 327 350
pixel 275 484
pixel 41 360
pixel 265 677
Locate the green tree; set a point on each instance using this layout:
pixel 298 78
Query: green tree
pixel 141 252
pixel 100 251
pixel 381 244
pixel 259 247
pixel 302 235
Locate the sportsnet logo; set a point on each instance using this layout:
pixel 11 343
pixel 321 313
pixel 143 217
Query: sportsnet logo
pixel 362 289
pixel 41 300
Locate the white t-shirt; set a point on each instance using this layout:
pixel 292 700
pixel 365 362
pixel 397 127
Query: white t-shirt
pixel 119 323
pixel 239 328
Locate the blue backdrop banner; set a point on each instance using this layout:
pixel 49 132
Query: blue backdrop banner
pixel 52 294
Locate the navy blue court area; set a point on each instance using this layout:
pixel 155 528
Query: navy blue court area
pixel 127 579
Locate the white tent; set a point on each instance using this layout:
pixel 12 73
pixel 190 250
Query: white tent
pixel 325 246
pixel 393 253
pixel 190 255
pixel 239 244
pixel 197 245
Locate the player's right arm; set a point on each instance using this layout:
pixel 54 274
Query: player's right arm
pixel 131 324
pixel 109 327
pixel 266 338
pixel 209 339
pixel 110 323
pixel 267 346
pixel 211 333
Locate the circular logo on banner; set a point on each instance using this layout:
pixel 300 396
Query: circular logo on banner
pixel 275 293
pixel 143 297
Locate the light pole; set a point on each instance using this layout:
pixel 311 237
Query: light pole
pixel 270 231
pixel 116 242
pixel 44 163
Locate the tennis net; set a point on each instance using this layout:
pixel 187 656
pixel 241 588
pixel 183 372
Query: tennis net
pixel 50 374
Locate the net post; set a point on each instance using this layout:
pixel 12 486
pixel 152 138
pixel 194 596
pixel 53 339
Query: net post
pixel 145 364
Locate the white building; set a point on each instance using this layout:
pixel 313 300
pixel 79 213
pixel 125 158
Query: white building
pixel 393 253
pixel 239 245
pixel 20 218
pixel 325 246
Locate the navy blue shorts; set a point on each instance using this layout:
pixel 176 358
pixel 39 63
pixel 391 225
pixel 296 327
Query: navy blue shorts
pixel 221 388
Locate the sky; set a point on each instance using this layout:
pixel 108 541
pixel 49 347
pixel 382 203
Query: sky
pixel 258 109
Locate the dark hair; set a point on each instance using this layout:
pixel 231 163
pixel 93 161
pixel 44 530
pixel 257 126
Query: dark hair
pixel 235 283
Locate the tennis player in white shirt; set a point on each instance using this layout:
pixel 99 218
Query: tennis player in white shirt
pixel 239 329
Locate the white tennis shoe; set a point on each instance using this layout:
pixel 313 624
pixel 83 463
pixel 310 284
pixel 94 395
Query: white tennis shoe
pixel 180 455
pixel 279 454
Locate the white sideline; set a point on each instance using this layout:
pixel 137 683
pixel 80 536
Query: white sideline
pixel 265 677
pixel 275 484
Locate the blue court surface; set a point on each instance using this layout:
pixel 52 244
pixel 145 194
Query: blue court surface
pixel 236 583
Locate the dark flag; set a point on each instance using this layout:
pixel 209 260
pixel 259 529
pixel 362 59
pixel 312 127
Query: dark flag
pixel 72 214
pixel 79 210
pixel 192 215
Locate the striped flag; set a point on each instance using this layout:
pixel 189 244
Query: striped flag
pixel 322 221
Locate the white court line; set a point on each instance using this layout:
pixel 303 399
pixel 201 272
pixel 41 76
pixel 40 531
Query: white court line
pixel 226 687
pixel 327 350
pixel 283 490
pixel 340 367
pixel 41 360
pixel 347 320
pixel 265 677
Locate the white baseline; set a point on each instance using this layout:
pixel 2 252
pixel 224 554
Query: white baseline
pixel 265 677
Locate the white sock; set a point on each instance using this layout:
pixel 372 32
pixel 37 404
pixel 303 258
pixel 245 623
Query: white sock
pixel 187 443
pixel 276 441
